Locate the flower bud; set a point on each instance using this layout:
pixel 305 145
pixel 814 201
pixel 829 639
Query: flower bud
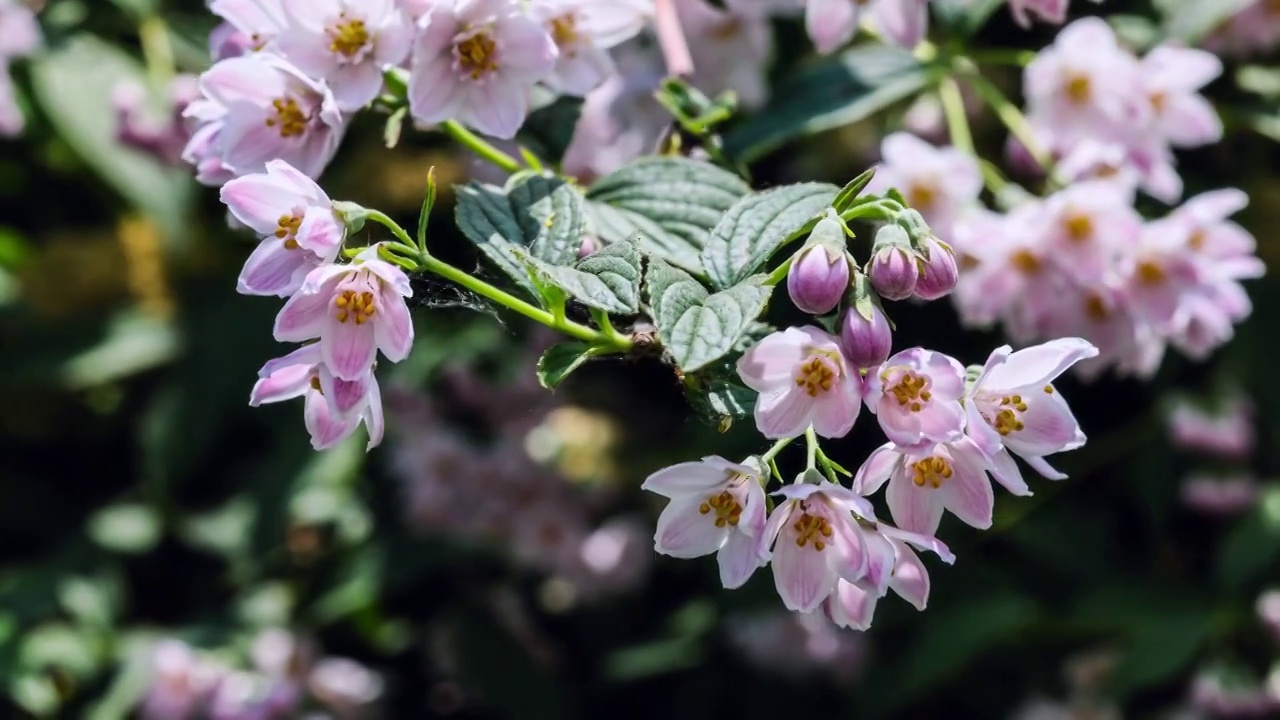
pixel 938 271
pixel 866 343
pixel 893 272
pixel 589 245
pixel 818 279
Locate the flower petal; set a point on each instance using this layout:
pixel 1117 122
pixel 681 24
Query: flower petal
pixel 783 412
pixel 910 577
pixel 686 478
pixel 967 493
pixel 684 532
pixel 918 509
pixel 879 465
pixel 326 429
pixel 393 327
pixel 303 316
pixel 273 270
pixel 1038 365
pixel 1047 426
pixel 851 606
pixel 738 559
pixel 348 348
pixel 802 575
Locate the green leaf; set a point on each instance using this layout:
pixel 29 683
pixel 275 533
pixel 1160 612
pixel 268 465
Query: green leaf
pixel 607 280
pixel 559 360
pixel 1253 545
pixel 836 91
pixel 1191 21
pixel 74 83
pixel 966 18
pixel 669 205
pixel 708 330
pixel 540 215
pixel 671 292
pixel 1162 646
pixel 758 225
pixel 125 528
pixel 724 398
pixel 549 129
pixel 844 199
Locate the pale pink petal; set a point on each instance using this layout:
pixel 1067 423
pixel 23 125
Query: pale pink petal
pixel 773 360
pixel 880 560
pixel 374 421
pixel 284 384
pixel 1191 121
pixel 305 355
pixel 355 86
pixel 581 71
pixel 738 559
pixel 905 150
pixel 903 21
pixel 1005 470
pixel 326 430
pixel 348 348
pixel 940 421
pixel 910 577
pixel 1044 468
pixel 344 395
pixel 273 269
pixel 686 478
pixel 684 532
pixel 393 326
pixel 435 90
pixel 303 316
pixel 753 518
pixel 1038 365
pixel 783 412
pixel 981 432
pixel 968 493
pixel 830 23
pixel 848 552
pixel 496 108
pixel 851 606
pixel 321 233
pixel 245 79
pixel 918 509
pixel 836 411
pixel 801 574
pixel 527 53
pixel 259 200
pixel 388 273
pixel 879 465
pixel 1047 427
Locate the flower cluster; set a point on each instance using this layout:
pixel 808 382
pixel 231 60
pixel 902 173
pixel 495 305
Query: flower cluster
pixel 352 311
pixel 285 677
pixel 950 432
pixel 19 37
pixel 139 126
pixel 1227 434
pixel 290 74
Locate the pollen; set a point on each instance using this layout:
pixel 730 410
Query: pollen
pixel 812 530
pixel 477 55
pixel 1048 389
pixel 351 305
pixel 1096 309
pixel 1079 89
pixel 1007 420
pixel 287 230
pixel 1079 228
pixel 931 472
pixel 1197 240
pixel 315 384
pixel 1159 101
pixel 1150 273
pixel 288 120
pixel 727 509
pixel 348 37
pixel 922 195
pixel 1025 262
pixel 815 376
pixel 911 392
pixel 564 30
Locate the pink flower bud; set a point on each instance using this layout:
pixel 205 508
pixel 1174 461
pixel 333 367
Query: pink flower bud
pixel 818 278
pixel 589 245
pixel 893 273
pixel 938 271
pixel 866 343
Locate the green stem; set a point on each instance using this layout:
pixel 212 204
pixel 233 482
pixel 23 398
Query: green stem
pixel 1012 118
pixel 957 121
pixel 157 51
pixel 811 440
pixel 780 273
pixel 777 448
pixel 614 342
pixel 479 146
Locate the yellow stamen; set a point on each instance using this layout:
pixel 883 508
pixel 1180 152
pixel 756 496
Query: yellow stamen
pixel 476 55
pixel 289 119
pixel 348 38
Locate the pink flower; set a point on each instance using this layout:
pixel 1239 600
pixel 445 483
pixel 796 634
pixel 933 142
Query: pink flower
pixel 20 34
pixel 620 120
pixel 1088 225
pixel 269 110
pixel 1013 404
pixel 889 549
pixel 161 135
pixel 346 43
pixel 256 24
pixel 817 542
pixel 333 407
pixel 476 61
pixel 181 682
pixel 831 24
pixel 730 47
pixel 355 310
pixel 1171 78
pixel 938 182
pixel 716 507
pixel 1220 496
pixel 583 31
pixel 295 217
pixel 803 379
pixel 926 480
pixel 893 269
pixel 1083 85
pixel 916 396
pixel 1050 11
pixel 1226 433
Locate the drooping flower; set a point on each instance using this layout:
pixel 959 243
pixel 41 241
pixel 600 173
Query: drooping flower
pixel 1220 496
pixel 476 61
pixel 866 342
pixel 928 479
pixel 1013 404
pixel 333 407
pixel 831 24
pixel 1228 432
pixel 297 222
pixel 584 31
pixel 916 396
pixel 254 25
pixel 1172 78
pixel 803 379
pixel 346 43
pixel 893 270
pixel 937 182
pixel 716 507
pixel 355 310
pixel 938 271
pixel 730 47
pixel 162 136
pixel 817 542
pixel 262 108
pixel 852 605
